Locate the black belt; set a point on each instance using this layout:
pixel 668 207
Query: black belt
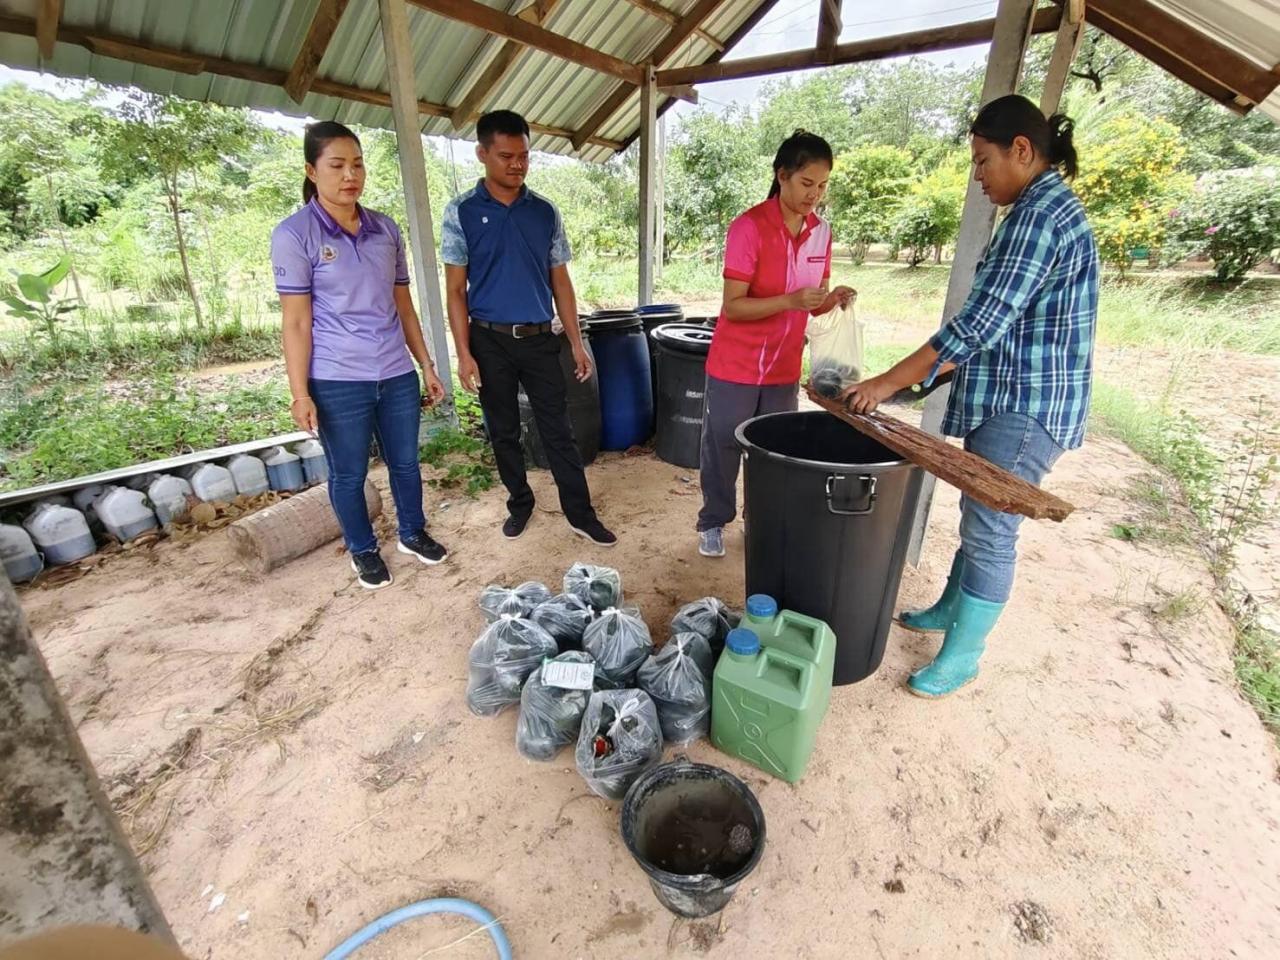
pixel 517 331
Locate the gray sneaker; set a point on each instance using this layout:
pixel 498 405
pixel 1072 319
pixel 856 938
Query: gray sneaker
pixel 711 542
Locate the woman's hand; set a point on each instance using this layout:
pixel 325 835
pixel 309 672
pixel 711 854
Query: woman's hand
pixel 840 295
pixel 864 397
pixel 434 389
pixel 581 364
pixel 304 415
pixel 808 298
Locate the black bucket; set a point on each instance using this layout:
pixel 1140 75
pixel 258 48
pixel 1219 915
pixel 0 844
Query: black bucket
pixel 681 350
pixel 696 830
pixel 828 521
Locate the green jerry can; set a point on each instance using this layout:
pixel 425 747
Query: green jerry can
pixel 795 634
pixel 766 705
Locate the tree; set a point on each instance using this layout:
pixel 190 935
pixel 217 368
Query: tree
pixel 166 137
pixel 866 188
pixel 1233 217
pixel 712 176
pixel 913 103
pixel 819 102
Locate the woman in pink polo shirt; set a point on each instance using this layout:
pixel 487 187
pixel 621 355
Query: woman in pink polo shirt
pixel 777 267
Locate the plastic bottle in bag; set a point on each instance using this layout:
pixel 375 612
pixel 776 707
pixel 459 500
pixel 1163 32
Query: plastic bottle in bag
pixel 678 679
pixel 566 618
pixel 709 618
pixel 601 587
pixel 619 641
pixel 620 739
pixel 496 601
pixel 550 716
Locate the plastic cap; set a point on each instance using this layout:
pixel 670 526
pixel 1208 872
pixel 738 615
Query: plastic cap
pixel 762 606
pixel 742 642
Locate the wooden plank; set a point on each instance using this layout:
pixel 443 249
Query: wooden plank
pixel 1065 48
pixel 307 62
pixel 974 476
pixel 919 41
pixel 47 18
pixel 469 107
pixel 648 141
pixel 671 17
pixel 149 56
pixel 513 28
pixel 661 53
pixel 830 23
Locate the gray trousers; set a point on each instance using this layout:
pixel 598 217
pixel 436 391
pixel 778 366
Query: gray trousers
pixel 726 407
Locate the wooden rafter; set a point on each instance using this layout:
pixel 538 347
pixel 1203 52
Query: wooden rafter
pixel 47 18
pixel 937 38
pixel 178 61
pixel 672 18
pixel 513 28
pixel 305 65
pixel 669 44
pixel 469 107
pixel 829 24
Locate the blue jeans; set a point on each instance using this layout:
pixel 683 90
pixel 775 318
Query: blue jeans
pixel 989 538
pixel 350 414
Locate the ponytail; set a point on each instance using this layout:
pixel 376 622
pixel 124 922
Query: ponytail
pixel 308 190
pixel 1006 118
pixel 1062 148
pixel 797 152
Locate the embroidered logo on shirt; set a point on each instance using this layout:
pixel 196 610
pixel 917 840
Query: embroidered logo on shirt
pixel 328 254
pixel 484 219
pixel 822 259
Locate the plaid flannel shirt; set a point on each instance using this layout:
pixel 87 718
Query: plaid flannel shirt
pixel 1023 341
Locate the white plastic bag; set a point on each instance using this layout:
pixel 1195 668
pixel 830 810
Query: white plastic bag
pixel 620 738
pixel 619 640
pixel 678 680
pixel 836 348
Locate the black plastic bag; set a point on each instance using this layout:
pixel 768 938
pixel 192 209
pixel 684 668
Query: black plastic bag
pixel 619 641
pixel 678 679
pixel 496 601
pixel 601 587
pixel 500 661
pixel 550 717
pixel 620 739
pixel 708 617
pixel 565 617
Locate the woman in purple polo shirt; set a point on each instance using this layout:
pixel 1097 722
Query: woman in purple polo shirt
pixel 349 332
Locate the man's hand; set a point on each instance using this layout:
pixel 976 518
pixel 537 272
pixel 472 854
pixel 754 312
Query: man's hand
pixel 582 364
pixel 431 384
pixel 864 397
pixel 808 298
pixel 469 374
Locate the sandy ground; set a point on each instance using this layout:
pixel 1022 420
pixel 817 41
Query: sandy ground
pixel 294 756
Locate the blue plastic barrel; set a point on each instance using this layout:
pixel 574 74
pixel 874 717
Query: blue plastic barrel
pixel 626 390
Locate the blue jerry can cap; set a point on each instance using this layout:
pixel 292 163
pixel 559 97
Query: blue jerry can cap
pixel 742 642
pixel 762 605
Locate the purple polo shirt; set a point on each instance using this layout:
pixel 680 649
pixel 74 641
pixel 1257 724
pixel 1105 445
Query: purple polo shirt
pixel 355 327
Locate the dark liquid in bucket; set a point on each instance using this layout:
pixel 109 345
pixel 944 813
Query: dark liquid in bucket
pixel 694 828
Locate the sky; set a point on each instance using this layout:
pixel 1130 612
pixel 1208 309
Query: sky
pixel 790 25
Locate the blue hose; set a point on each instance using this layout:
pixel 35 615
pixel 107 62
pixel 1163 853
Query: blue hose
pixel 422 908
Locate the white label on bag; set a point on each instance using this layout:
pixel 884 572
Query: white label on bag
pixel 568 675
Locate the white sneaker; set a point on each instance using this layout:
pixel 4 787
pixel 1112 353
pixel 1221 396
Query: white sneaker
pixel 711 542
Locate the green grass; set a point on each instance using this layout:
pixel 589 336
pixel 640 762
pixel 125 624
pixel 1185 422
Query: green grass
pixel 1257 662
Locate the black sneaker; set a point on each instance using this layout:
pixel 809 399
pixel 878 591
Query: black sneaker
pixel 515 526
pixel 371 572
pixel 420 545
pixel 596 532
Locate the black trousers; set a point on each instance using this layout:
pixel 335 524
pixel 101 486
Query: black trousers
pixel 505 365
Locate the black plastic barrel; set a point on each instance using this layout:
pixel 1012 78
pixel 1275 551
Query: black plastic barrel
pixel 681 352
pixel 583 401
pixel 696 830
pixel 828 520
pixel 654 315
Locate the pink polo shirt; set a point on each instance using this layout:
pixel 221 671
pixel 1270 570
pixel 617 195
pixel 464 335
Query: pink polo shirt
pixel 761 251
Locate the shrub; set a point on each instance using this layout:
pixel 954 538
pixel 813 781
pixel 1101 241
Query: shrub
pixel 1233 217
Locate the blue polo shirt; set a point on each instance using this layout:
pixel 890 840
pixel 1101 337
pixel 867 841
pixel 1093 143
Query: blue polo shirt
pixel 508 251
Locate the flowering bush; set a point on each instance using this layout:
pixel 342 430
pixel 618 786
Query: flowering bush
pixel 1233 217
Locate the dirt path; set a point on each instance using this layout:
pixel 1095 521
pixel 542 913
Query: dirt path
pixel 300 753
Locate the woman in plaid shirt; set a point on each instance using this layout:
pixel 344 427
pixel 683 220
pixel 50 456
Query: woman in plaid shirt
pixel 1022 349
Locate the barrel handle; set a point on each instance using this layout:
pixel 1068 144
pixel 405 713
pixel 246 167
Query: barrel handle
pixel 870 484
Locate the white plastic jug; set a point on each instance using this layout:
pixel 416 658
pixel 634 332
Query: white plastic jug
pixel 284 469
pixel 249 474
pixel 61 533
pixel 168 495
pixel 314 466
pixel 212 483
pixel 126 514
pixel 141 481
pixel 84 497
pixel 21 559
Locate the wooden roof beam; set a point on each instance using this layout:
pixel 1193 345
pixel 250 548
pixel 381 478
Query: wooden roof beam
pixel 166 58
pixel 656 9
pixel 665 48
pixel 513 28
pixel 469 107
pixel 47 18
pixel 830 23
pixel 920 41
pixel 307 63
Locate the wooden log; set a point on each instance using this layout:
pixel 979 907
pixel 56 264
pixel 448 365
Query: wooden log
pixel 974 476
pixel 290 528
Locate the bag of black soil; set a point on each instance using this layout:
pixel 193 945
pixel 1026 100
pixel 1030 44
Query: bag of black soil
pixel 550 714
pixel 709 618
pixel 565 617
pixel 500 661
pixel 619 641
pixel 678 680
pixel 835 351
pixel 496 601
pixel 620 739
pixel 601 587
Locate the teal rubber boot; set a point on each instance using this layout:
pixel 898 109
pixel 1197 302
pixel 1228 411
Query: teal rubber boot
pixel 939 616
pixel 957 662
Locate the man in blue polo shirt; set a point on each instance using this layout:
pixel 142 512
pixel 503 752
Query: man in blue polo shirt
pixel 506 262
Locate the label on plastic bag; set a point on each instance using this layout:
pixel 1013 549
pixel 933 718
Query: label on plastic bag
pixel 568 675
